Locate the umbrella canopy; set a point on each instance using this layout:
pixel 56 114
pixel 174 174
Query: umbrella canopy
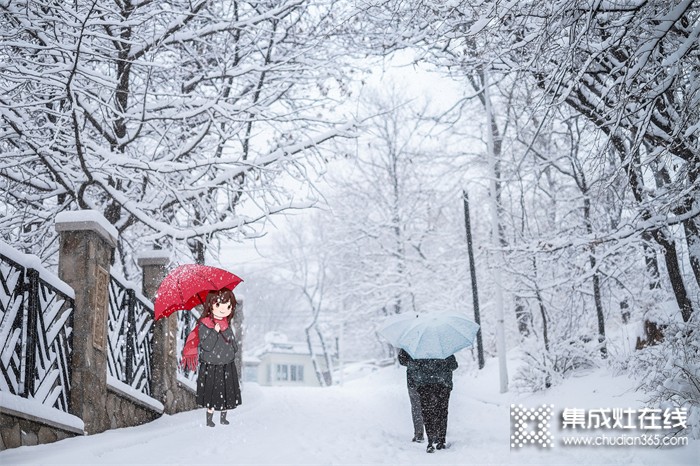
pixel 188 285
pixel 396 325
pixel 430 336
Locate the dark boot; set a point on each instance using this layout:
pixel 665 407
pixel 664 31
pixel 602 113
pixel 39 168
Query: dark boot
pixel 430 448
pixel 223 418
pixel 210 419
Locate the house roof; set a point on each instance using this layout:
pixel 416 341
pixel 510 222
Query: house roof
pixel 277 342
pixel 286 348
pixel 248 359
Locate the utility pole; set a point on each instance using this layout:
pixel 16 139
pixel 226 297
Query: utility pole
pixel 472 271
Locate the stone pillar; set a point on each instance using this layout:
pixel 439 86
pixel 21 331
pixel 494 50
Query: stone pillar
pixel 86 250
pixel 153 263
pixel 238 331
pixel 164 357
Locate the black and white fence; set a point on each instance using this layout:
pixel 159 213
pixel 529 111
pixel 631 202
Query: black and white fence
pixel 186 321
pixel 129 336
pixel 79 349
pixel 36 326
pixel 78 353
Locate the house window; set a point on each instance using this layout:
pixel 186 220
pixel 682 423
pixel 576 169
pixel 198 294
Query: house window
pixel 282 372
pixel 296 373
pixel 289 372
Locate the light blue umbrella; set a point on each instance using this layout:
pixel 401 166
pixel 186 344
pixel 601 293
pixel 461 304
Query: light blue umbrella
pixel 396 325
pixel 430 336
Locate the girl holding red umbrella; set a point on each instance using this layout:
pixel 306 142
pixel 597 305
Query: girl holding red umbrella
pixel 213 346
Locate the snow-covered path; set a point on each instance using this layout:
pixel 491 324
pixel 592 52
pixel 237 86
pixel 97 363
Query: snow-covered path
pixel 366 421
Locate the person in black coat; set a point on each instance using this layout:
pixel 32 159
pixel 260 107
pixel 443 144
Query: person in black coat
pixel 433 378
pixel 405 360
pixel 211 347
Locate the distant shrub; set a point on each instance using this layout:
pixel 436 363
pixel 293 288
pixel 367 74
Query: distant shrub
pixel 542 369
pixel 670 372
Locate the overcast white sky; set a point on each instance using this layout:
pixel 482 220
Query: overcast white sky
pixel 413 80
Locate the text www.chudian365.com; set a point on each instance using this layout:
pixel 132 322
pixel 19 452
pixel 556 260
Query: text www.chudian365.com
pixel 643 440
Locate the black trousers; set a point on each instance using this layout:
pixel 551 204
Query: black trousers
pixel 416 412
pixel 434 401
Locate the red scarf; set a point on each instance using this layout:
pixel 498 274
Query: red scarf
pixel 190 352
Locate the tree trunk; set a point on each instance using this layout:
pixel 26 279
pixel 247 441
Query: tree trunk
pixel 319 373
pixel 540 302
pixel 690 226
pixel 328 373
pixel 625 311
pixel 478 82
pixel 675 275
pixel 596 276
pixel 669 248
pixel 651 261
pixel 496 235
pixel 522 314
pixel 692 239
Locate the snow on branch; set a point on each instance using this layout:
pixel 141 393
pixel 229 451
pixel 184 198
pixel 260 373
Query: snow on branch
pixel 177 120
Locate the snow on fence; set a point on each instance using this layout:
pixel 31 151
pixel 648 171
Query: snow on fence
pixel 36 327
pixel 130 336
pixel 185 323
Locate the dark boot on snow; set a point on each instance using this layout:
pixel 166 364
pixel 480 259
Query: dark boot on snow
pixel 430 448
pixel 223 418
pixel 210 419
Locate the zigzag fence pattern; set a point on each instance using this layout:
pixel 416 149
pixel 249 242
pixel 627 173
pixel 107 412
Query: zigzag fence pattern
pixel 130 337
pixel 36 328
pixel 185 323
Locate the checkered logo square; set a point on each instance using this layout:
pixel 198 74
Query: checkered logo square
pixel 530 426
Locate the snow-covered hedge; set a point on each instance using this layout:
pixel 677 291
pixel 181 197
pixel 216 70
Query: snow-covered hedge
pixel 543 368
pixel 670 372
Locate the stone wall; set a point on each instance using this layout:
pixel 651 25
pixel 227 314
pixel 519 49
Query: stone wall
pixel 16 431
pixel 121 412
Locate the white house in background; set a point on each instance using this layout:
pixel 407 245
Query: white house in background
pixel 281 363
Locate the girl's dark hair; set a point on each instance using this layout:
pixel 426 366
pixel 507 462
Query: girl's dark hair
pixel 218 297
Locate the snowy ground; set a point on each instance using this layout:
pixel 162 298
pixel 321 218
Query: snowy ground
pixel 365 421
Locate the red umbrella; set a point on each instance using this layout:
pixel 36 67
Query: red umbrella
pixel 188 285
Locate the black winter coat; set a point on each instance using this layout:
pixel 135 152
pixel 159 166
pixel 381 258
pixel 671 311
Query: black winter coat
pixel 217 347
pixel 428 371
pixel 405 359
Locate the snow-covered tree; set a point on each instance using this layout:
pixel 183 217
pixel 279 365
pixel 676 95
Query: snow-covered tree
pixel 305 268
pixel 393 229
pixel 630 68
pixel 598 121
pixel 174 119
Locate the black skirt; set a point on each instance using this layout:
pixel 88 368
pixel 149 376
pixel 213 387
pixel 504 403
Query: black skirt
pixel 217 386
